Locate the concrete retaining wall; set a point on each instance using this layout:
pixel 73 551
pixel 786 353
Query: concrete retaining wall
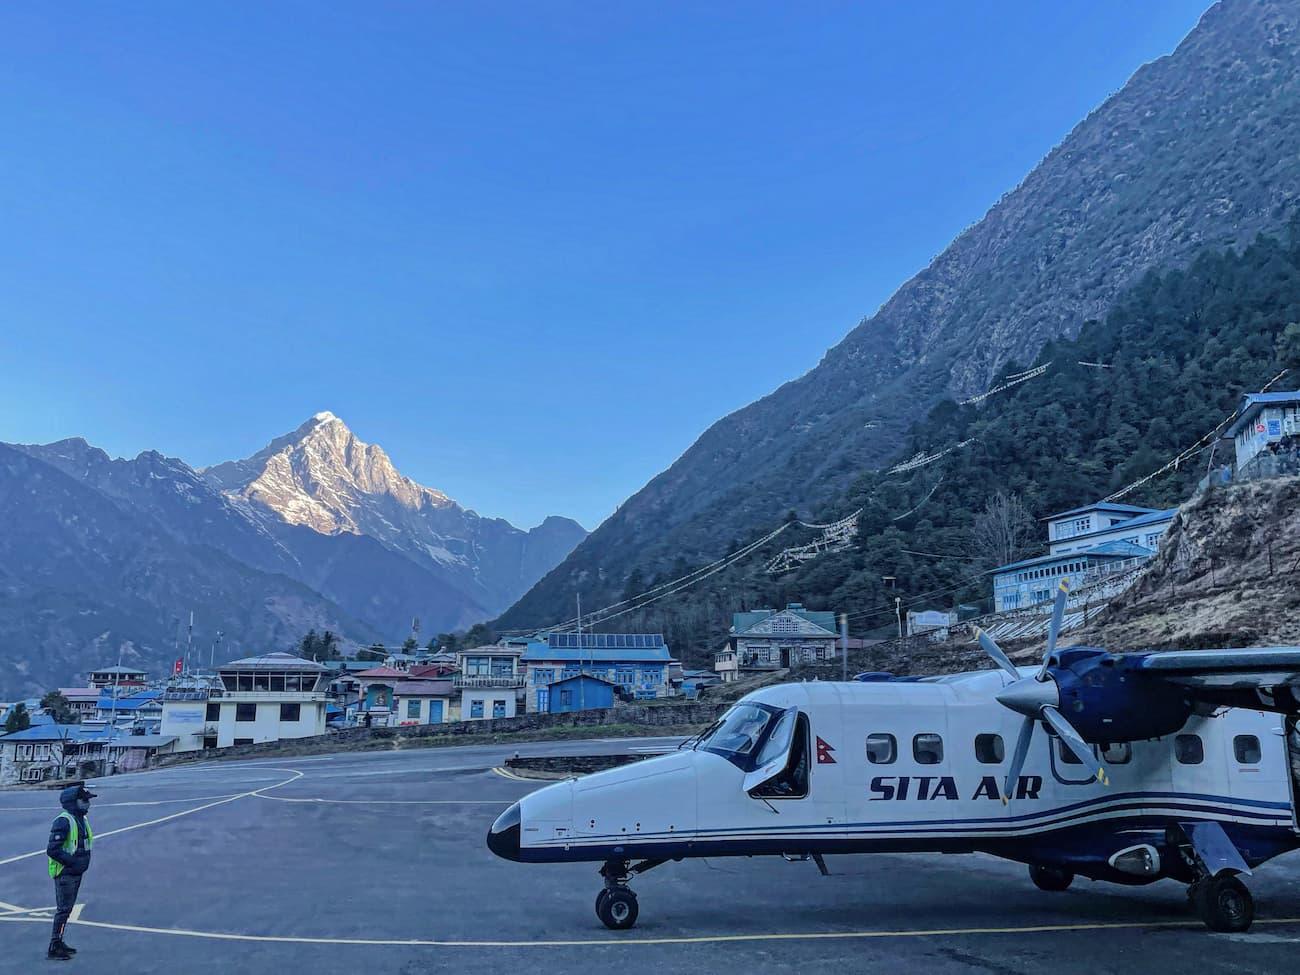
pixel 648 716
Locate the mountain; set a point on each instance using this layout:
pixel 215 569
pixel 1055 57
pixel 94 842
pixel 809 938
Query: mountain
pixel 322 477
pixel 84 577
pixel 318 530
pixel 1200 149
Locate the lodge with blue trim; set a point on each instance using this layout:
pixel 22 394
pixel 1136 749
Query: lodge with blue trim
pixel 635 663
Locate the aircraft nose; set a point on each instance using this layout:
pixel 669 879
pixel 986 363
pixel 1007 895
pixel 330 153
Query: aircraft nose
pixel 503 837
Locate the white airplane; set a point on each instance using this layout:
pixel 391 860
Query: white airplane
pixel 1163 764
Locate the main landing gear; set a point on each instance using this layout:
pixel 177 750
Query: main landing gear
pixel 1223 903
pixel 616 903
pixel 1050 878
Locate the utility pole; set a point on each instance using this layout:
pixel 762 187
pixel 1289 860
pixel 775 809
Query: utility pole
pixel 844 644
pixel 582 665
pixel 212 658
pixel 189 642
pixel 898 611
pixel 117 683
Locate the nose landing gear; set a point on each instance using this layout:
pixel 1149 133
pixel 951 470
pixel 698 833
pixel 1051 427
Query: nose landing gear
pixel 616 904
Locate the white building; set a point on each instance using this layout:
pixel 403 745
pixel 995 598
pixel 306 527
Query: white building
pixel 1267 426
pixel 490 681
pixel 257 699
pixel 1085 545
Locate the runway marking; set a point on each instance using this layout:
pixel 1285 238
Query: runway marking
pixel 507 774
pixel 176 815
pixel 393 802
pixel 668 940
pixel 106 805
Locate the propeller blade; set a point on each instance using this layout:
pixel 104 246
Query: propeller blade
pixel 1073 742
pixel 1054 630
pixel 1018 760
pixel 995 651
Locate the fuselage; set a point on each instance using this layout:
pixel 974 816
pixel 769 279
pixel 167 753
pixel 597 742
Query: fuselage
pixel 918 766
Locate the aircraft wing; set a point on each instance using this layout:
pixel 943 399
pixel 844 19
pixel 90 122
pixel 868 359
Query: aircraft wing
pixel 1253 668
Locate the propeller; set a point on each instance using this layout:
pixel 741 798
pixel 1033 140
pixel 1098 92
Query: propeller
pixel 1039 699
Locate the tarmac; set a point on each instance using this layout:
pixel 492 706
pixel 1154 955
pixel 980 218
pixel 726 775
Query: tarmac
pixel 375 862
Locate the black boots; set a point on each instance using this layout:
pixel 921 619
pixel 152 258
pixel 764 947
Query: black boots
pixel 58 951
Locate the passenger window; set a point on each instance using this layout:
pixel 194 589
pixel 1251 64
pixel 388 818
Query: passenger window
pixel 1189 750
pixel 989 749
pixel 927 749
pixel 1066 756
pixel 1246 748
pixel 1117 753
pixel 882 749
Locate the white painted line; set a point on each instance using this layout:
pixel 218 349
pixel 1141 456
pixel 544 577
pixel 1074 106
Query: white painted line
pixel 1185 924
pixel 107 805
pixel 163 819
pixel 393 802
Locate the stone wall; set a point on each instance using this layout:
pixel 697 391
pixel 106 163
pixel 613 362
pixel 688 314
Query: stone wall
pixel 354 739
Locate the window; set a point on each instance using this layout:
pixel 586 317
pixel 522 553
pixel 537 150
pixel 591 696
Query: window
pixel 1066 756
pixel 927 749
pixel 503 667
pixel 290 712
pixel 243 741
pixel 792 783
pixel 476 709
pixel 1189 750
pixel 544 676
pixel 1117 753
pixel 245 712
pixel 882 749
pixel 412 708
pixel 566 698
pixel 214 712
pixel 478 666
pixel 210 741
pixel 498 709
pixel 989 749
pixel 1246 748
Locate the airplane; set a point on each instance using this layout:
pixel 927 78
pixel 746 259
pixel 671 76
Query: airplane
pixel 1149 765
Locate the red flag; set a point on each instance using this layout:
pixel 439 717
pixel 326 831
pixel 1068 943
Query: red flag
pixel 176 667
pixel 824 752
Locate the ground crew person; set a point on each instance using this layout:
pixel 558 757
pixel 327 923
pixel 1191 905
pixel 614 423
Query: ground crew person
pixel 69 855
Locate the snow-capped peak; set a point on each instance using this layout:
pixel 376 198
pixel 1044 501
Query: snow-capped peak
pixel 325 416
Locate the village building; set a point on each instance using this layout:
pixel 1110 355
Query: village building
pixel 490 681
pixel 125 678
pixel 142 710
pixel 1266 435
pixel 581 692
pixel 83 700
pixel 51 751
pixel 378 694
pixel 1085 545
pixel 765 640
pixel 637 665
pixel 266 698
pixel 424 702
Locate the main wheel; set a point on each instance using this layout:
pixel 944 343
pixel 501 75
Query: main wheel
pixel 1224 904
pixel 617 910
pixel 600 901
pixel 1050 878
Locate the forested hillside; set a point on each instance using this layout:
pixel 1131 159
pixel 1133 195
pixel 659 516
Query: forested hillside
pixel 1199 149
pixel 1167 364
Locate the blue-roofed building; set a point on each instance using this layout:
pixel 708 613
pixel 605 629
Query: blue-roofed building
pixel 581 692
pixel 636 663
pixel 1085 545
pixel 143 709
pixel 1266 428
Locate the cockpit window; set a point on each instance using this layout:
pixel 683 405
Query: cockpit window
pixel 741 734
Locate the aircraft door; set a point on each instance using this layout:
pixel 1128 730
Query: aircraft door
pixel 1255 752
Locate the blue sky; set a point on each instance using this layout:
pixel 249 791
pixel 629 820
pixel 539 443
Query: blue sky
pixel 533 249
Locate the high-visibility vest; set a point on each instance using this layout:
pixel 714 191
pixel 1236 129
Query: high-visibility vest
pixel 70 844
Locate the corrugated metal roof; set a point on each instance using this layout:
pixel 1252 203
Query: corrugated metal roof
pixel 1110 550
pixel 272 661
pixel 1252 403
pixel 1133 509
pixel 424 688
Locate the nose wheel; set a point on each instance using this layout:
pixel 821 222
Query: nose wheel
pixel 616 904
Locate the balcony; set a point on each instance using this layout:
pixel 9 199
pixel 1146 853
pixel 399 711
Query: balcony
pixel 286 696
pixel 467 681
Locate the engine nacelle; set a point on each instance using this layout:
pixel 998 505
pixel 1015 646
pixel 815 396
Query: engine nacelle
pixel 1107 701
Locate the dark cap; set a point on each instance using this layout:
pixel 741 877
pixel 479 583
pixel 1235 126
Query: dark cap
pixel 84 793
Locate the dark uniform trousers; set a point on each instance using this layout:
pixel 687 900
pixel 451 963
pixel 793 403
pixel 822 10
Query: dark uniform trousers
pixel 65 897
